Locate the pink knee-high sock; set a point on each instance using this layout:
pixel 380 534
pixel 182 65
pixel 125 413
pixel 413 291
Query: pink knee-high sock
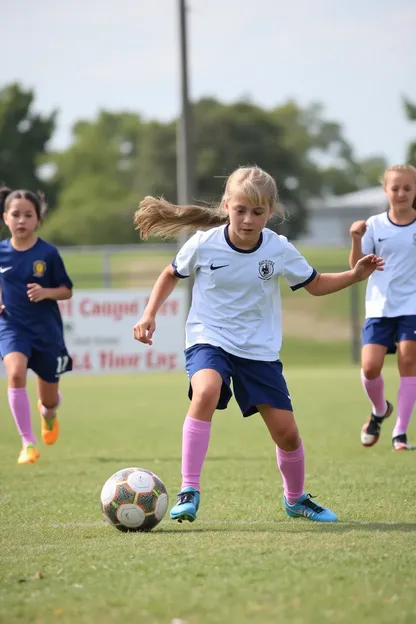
pixel 374 388
pixel 20 408
pixel 51 412
pixel 292 467
pixel 405 403
pixel 195 440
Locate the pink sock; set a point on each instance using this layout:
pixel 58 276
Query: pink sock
pixel 20 407
pixel 405 404
pixel 374 389
pixel 195 440
pixel 51 412
pixel 292 467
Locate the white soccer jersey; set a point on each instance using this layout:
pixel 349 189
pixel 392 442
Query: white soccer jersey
pixel 391 292
pixel 236 297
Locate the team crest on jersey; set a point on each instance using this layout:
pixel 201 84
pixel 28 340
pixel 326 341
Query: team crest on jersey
pixel 39 268
pixel 266 269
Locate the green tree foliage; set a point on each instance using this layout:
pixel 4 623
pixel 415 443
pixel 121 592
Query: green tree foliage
pixel 326 162
pixel 411 115
pixel 24 135
pixel 99 182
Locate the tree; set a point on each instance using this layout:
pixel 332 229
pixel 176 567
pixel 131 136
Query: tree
pixel 228 136
pixel 98 180
pixel 24 135
pixel 411 115
pixel 326 159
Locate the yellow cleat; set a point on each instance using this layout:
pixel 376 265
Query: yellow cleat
pixel 28 455
pixel 50 427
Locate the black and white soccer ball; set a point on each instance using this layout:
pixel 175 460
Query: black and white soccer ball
pixel 134 499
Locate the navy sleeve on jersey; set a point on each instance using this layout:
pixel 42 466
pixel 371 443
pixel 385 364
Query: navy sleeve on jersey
pixel 59 275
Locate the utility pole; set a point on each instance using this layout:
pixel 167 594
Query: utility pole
pixel 184 149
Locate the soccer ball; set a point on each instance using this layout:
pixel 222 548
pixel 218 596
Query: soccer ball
pixel 134 499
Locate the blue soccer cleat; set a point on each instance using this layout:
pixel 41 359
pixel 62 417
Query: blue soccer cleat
pixel 305 507
pixel 187 505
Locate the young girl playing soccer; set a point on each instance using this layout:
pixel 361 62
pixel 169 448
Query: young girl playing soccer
pixel 32 279
pixel 233 329
pixel 390 305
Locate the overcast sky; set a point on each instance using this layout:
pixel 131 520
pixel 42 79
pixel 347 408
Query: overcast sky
pixel 356 57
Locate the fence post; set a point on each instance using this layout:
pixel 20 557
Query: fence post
pixel 355 323
pixel 106 269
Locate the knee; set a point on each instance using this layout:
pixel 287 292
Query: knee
pixel 371 370
pixel 289 438
pixel 17 378
pixel 407 366
pixel 207 396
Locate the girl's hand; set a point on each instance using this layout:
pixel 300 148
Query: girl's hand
pixel 358 229
pixel 144 329
pixel 36 293
pixel 366 266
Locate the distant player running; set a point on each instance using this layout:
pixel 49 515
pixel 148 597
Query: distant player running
pixel 390 304
pixel 32 279
pixel 233 331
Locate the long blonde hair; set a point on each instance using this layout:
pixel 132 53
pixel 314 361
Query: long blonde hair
pixel 158 217
pixel 401 169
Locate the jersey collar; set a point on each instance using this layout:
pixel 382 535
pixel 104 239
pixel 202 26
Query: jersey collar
pixel 246 251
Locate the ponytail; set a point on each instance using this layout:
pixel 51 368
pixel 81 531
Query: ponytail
pixel 158 217
pixel 4 193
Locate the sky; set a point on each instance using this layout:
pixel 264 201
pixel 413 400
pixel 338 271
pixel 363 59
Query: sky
pixel 356 57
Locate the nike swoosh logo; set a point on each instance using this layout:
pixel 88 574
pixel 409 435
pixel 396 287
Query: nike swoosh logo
pixel 380 240
pixel 4 269
pixel 221 266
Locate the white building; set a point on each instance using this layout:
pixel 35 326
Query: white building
pixel 329 218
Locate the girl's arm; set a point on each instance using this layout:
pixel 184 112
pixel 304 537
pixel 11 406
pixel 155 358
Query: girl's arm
pixel 37 293
pixel 164 286
pixel 357 231
pixel 327 283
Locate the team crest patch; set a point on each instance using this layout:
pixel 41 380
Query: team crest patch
pixel 39 268
pixel 266 269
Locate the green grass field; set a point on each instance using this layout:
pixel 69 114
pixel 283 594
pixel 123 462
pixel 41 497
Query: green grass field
pixel 242 561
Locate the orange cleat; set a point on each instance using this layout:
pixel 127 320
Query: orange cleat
pixel 28 454
pixel 50 427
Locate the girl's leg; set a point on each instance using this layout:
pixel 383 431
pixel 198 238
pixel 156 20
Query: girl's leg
pixel 289 449
pixel 49 400
pixel 206 388
pixel 291 462
pixel 407 393
pixel 372 360
pixel 16 369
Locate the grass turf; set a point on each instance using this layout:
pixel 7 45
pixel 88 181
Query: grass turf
pixel 243 560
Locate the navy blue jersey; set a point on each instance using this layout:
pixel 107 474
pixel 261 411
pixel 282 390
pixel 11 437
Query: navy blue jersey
pixel 41 264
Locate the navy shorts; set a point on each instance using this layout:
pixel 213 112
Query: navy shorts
pixel 49 364
pixel 388 331
pixel 254 382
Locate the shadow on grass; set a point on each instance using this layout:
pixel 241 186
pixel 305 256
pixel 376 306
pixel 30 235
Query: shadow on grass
pixel 284 527
pixel 141 459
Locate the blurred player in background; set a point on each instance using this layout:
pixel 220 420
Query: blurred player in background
pixel 390 304
pixel 32 279
pixel 233 329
